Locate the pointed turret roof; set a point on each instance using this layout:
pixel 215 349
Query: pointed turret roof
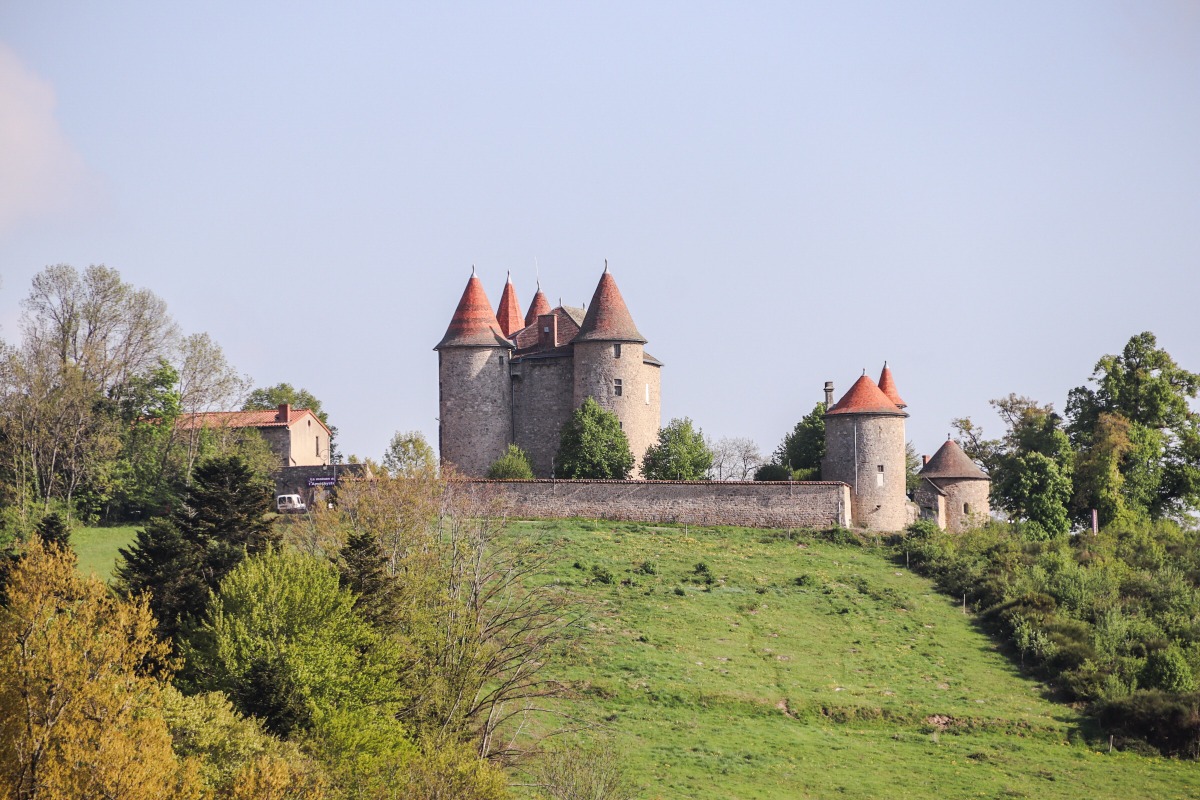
pixel 509 312
pixel 608 318
pixel 473 323
pixel 952 463
pixel 540 305
pixel 865 397
pixel 887 385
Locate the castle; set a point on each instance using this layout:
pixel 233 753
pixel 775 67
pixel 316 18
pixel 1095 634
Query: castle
pixel 504 378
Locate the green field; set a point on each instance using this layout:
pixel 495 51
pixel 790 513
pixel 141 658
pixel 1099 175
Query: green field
pixel 804 670
pixel 808 669
pixel 97 548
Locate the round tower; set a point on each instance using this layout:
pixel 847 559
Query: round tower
pixel 952 483
pixel 474 400
pixel 612 366
pixel 864 447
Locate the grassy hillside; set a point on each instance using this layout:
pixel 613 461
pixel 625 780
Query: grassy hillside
pixel 805 669
pixel 809 669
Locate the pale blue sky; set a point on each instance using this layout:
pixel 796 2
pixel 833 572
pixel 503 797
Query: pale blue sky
pixel 988 195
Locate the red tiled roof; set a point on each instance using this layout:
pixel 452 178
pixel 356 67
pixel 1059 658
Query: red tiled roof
pixel 608 318
pixel 473 323
pixel 528 338
pixel 509 312
pixel 951 462
pixel 540 305
pixel 887 385
pixel 271 418
pixel 865 397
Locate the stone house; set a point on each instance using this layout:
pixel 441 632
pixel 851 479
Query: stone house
pixel 295 435
pixel 953 491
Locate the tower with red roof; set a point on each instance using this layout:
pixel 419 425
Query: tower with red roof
pixel 954 491
pixel 504 379
pixel 864 447
pixel 474 401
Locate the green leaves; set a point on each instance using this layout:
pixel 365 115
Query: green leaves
pixel 512 466
pixel 593 445
pixel 680 455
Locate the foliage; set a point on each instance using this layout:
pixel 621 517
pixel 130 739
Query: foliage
pixel 593 445
pixel 281 639
pixel 79 715
pixel 596 771
pixel 408 454
pixel 512 466
pixel 681 454
pixel 222 517
pixel 804 446
pixel 772 472
pixel 267 398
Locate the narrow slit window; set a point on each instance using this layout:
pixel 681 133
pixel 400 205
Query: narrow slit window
pixel 617 350
pixel 879 475
pixel 318 447
pixel 647 394
pixel 617 387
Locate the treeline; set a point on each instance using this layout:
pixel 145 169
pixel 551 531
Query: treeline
pixel 392 647
pixel 1112 620
pixel 89 400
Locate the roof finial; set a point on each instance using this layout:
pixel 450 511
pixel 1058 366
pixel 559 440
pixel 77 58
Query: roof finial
pixel 606 266
pixel 947 437
pixel 510 281
pixel 864 372
pixel 885 364
pixel 472 270
pixel 537 273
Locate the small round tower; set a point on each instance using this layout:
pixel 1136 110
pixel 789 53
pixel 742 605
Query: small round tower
pixel 474 401
pixel 611 365
pixel 953 484
pixel 864 447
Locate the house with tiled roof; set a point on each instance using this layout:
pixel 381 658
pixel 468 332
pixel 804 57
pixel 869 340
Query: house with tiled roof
pixel 507 379
pixel 296 435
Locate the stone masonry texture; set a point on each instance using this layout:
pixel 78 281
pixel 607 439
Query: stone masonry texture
pixel 856 446
pixel 596 371
pixel 750 504
pixel 475 406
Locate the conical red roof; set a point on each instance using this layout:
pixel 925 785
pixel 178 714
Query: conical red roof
pixel 887 385
pixel 607 318
pixel 473 324
pixel 509 313
pixel 951 462
pixel 864 397
pixel 540 305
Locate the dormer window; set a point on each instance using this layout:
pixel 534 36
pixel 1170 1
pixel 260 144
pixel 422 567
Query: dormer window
pixel 617 350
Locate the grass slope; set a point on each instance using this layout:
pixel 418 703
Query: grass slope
pixel 809 669
pixel 97 548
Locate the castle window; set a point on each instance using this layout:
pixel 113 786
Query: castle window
pixel 318 447
pixel 502 361
pixel 617 387
pixel 879 475
pixel 647 394
pixel 617 350
pixel 966 508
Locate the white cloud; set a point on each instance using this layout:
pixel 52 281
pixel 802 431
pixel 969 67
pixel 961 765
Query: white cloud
pixel 40 172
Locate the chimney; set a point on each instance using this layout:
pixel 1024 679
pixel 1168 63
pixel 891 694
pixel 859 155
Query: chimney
pixel 547 330
pixel 285 412
pixel 828 395
pixel 924 460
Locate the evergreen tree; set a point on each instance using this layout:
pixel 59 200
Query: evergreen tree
pixel 593 445
pixel 54 532
pixel 363 569
pixel 804 447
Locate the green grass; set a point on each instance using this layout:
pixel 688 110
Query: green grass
pixel 97 548
pixel 808 669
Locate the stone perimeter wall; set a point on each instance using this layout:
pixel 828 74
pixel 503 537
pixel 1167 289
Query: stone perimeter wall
pixel 749 504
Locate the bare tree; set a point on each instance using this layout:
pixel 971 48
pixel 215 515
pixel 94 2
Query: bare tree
pixel 207 382
pixel 590 772
pixel 735 459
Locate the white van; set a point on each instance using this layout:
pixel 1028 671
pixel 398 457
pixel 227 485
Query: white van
pixel 290 504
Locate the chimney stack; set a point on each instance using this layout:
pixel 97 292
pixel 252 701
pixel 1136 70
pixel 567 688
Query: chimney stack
pixel 828 395
pixel 285 412
pixel 924 460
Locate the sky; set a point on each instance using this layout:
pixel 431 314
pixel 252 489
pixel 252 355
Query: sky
pixel 989 196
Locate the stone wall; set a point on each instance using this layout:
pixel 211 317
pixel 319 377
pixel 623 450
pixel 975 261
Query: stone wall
pixel 597 369
pixel 750 504
pixel 542 395
pixel 475 407
pixel 294 480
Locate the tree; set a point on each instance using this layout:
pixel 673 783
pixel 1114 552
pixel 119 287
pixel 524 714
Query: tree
pixel 1140 437
pixel 222 517
pixel 408 454
pixel 735 458
pixel 269 397
pixel 804 447
pixel 681 454
pixel 80 708
pixel 512 466
pixel 281 639
pixel 593 445
pixel 912 467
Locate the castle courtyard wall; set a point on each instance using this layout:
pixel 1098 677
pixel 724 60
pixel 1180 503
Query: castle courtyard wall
pixel 542 403
pixel 749 504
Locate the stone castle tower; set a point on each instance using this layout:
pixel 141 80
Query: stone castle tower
pixel 506 379
pixel 953 491
pixel 864 447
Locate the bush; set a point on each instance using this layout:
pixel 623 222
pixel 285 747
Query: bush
pixel 772 472
pixel 1169 722
pixel 512 466
pixel 593 445
pixel 1167 670
pixel 601 575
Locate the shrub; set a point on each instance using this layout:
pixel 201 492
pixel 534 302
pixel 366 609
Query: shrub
pixel 512 466
pixel 772 472
pixel 1169 722
pixel 1167 670
pixel 601 575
